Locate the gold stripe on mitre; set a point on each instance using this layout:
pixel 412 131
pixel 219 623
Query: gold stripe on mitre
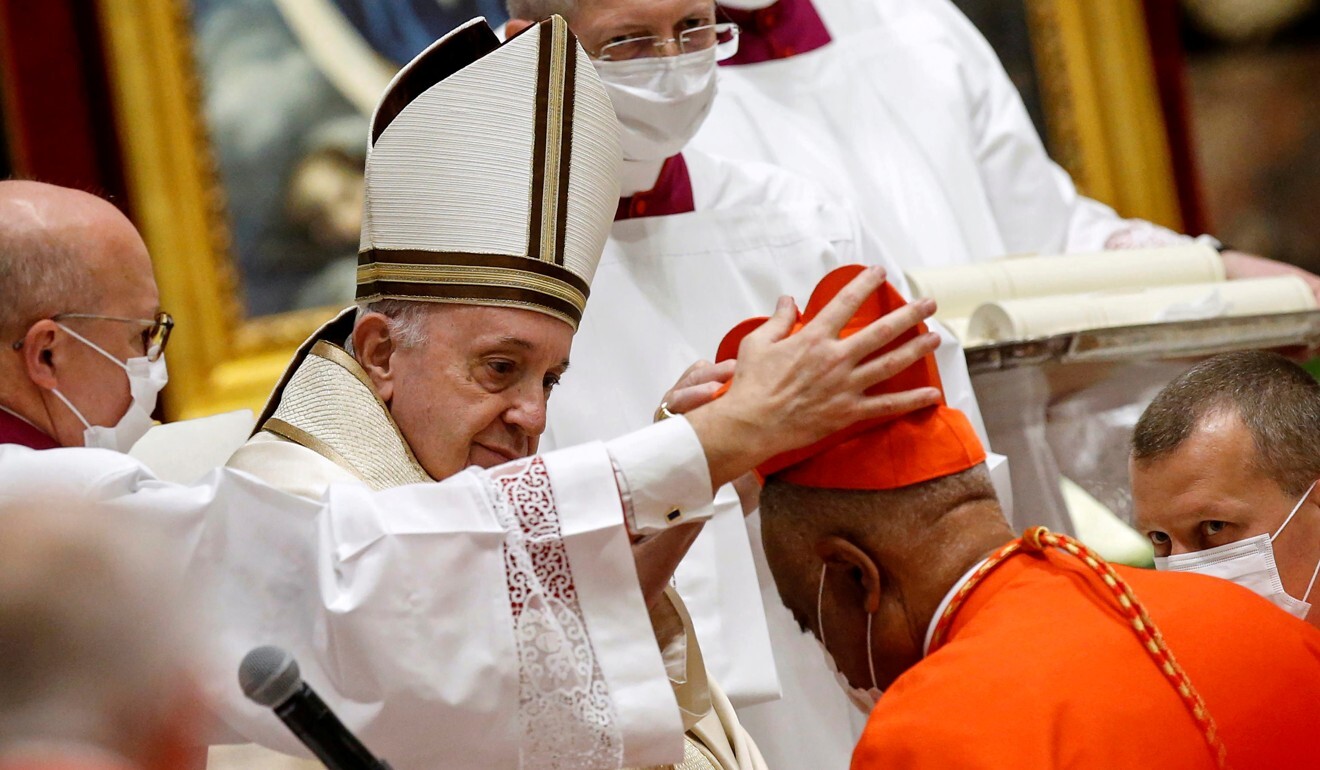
pixel 556 42
pixel 471 275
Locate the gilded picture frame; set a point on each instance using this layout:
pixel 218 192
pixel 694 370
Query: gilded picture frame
pixel 1095 76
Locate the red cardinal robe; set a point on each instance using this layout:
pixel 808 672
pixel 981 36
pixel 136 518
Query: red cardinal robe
pixel 1039 670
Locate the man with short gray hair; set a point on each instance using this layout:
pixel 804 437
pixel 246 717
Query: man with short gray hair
pixel 1224 468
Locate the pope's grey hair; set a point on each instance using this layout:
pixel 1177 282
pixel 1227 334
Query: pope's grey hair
pixel 536 10
pixel 41 274
pixel 407 320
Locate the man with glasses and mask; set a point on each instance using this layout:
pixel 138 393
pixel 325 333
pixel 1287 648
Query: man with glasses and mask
pixel 87 337
pixel 1224 468
pixel 698 243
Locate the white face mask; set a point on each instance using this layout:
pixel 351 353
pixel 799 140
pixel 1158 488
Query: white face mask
pixel 146 378
pixel 660 101
pixel 1249 563
pixel 864 700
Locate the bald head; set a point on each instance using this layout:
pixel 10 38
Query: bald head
pixel 63 250
pixel 91 638
pixel 794 518
pixel 66 251
pixel 859 566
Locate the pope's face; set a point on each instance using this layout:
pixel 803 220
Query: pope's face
pixel 600 22
pixel 475 392
pixel 1208 492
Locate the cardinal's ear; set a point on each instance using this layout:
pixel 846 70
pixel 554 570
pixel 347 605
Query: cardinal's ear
pixel 843 554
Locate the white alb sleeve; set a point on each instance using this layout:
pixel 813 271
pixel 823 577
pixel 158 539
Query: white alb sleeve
pixel 663 476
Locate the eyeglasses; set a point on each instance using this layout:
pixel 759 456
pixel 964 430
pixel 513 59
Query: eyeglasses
pixel 155 332
pixel 722 37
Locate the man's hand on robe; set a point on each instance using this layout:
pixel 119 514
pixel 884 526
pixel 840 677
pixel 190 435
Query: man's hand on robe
pixel 1239 265
pixel 791 391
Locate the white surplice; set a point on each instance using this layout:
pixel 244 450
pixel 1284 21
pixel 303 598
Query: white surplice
pixel 408 609
pixel 667 290
pixel 909 114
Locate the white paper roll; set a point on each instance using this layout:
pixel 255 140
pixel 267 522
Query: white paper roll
pixel 959 291
pixel 1023 319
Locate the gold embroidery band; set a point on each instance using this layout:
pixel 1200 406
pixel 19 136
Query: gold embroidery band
pixel 462 294
pixel 519 262
pixel 462 275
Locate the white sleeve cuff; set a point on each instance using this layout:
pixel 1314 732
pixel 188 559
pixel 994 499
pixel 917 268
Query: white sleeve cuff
pixel 664 478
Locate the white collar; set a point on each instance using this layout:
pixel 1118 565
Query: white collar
pixel 944 604
pixel 639 176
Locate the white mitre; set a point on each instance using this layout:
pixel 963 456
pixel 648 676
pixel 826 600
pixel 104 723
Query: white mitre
pixel 492 174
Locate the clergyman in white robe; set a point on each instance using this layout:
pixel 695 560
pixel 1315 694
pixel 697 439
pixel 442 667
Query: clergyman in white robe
pixel 710 244
pixel 903 108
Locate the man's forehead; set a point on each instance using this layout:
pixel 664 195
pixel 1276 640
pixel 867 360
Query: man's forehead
pixel 606 12
pixel 502 327
pixel 1173 497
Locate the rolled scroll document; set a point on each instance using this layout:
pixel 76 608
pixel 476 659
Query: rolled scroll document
pixel 1024 319
pixel 959 291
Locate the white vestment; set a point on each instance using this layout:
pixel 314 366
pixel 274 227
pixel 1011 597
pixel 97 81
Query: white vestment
pixel 909 114
pixel 458 624
pixel 667 290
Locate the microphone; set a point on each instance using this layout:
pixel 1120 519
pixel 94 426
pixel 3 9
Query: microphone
pixel 269 676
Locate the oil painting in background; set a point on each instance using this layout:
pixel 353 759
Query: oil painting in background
pixel 289 134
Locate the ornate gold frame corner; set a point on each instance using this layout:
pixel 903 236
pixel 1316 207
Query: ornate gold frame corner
pixel 219 359
pixel 1106 124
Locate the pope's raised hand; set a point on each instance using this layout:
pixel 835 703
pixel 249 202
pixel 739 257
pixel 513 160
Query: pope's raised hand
pixel 791 391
